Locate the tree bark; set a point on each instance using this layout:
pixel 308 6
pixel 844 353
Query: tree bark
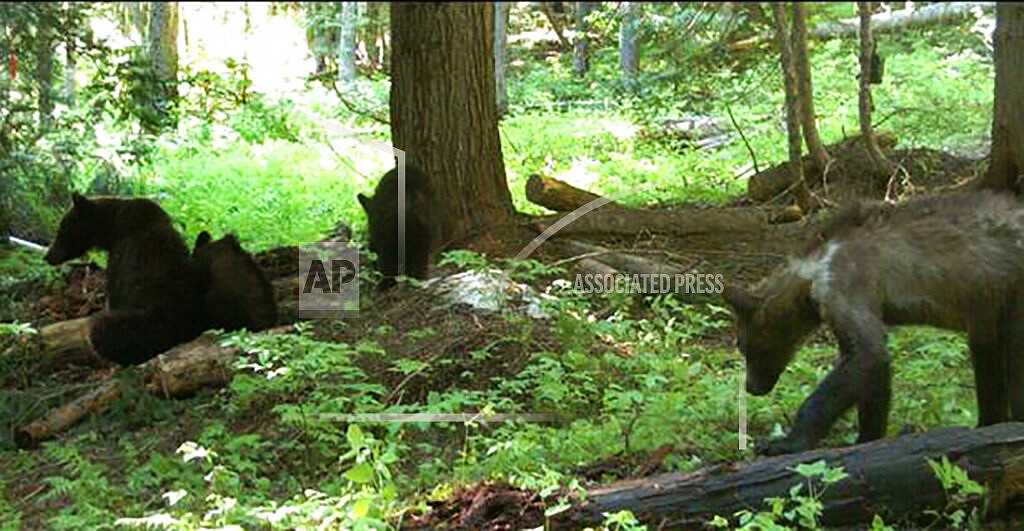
pixel 443 113
pixel 1007 160
pixel 805 91
pixel 867 48
pixel 629 53
pixel 800 191
pixel 890 477
pixel 163 51
pixel 580 52
pixel 347 43
pixel 501 12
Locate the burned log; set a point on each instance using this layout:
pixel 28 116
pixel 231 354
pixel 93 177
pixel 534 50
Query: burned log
pixel 889 477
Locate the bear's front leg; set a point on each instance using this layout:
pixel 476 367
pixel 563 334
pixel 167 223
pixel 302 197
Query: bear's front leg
pixel 860 377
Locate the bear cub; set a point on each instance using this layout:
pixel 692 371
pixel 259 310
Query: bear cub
pixel 235 292
pixel 420 225
pixel 152 295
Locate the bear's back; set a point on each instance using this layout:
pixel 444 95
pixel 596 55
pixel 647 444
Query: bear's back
pixel 148 263
pixel 237 293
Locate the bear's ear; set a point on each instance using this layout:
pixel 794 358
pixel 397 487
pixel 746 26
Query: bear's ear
pixel 203 239
pixel 363 200
pixel 742 301
pixel 78 199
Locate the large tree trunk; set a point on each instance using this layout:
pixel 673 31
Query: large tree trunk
pixel 805 91
pixel 443 113
pixel 347 43
pixel 1007 159
pixel 163 51
pixel 501 12
pixel 629 54
pixel 867 50
pixel 800 191
pixel 891 478
pixel 580 53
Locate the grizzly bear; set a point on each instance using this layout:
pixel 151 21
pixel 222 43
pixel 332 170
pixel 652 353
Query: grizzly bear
pixel 420 225
pixel 235 292
pixel 152 295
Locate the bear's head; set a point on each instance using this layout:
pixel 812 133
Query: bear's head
pixel 77 232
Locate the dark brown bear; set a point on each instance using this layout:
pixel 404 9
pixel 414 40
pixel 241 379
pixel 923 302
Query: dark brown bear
pixel 420 225
pixel 152 295
pixel 236 294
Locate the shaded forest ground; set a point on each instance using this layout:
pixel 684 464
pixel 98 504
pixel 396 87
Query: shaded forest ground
pixel 408 324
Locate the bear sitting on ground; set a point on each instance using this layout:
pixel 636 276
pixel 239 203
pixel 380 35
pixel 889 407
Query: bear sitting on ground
pixel 152 295
pixel 235 292
pixel 420 225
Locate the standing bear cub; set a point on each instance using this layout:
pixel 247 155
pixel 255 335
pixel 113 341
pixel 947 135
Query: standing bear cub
pixel 952 261
pixel 152 296
pixel 393 258
pixel 235 292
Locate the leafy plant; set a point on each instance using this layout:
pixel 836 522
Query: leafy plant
pixel 964 497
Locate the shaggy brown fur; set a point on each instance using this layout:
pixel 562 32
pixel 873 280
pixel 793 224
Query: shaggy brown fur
pixel 953 261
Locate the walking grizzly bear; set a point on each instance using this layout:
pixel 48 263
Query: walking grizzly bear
pixel 152 295
pixel 953 261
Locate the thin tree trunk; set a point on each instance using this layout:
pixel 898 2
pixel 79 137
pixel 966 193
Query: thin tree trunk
pixel 443 113
pixel 347 43
pixel 580 57
pixel 70 58
pixel 805 92
pixel 867 49
pixel 629 54
pixel 163 50
pixel 501 13
pixel 44 71
pixel 800 191
pixel 375 12
pixel 1007 159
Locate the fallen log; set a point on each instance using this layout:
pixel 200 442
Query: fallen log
pixel 890 477
pixel 938 13
pixel 178 373
pixel 66 416
pixel 681 223
pixel 67 343
pixel 557 195
pixel 776 180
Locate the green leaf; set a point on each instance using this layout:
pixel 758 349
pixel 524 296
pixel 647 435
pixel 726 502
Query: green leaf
pixel 355 436
pixel 361 473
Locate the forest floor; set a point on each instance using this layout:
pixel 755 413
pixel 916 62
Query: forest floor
pixel 408 325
